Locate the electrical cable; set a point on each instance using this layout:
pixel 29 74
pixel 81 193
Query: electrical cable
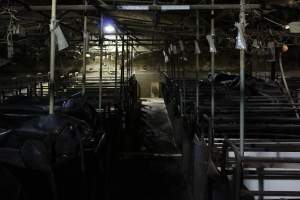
pixel 286 86
pixel 272 21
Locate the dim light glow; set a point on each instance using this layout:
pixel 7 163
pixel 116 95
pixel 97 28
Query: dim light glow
pixel 285 48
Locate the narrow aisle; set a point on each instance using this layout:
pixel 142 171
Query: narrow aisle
pixel 154 171
pixel 158 127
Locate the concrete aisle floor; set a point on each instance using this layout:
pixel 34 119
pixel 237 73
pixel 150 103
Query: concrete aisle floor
pixel 158 133
pixel 147 177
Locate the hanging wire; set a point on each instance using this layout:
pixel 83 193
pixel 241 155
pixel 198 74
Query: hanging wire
pixel 272 21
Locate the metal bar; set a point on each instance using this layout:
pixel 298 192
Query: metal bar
pixel 127 58
pixel 197 68
pixel 187 27
pixel 101 62
pixel 131 57
pixel 212 32
pixel 174 60
pixel 1 96
pixel 116 63
pixel 282 173
pixel 85 35
pixel 238 174
pixel 172 65
pixel 271 193
pixel 130 1
pixel 122 69
pixel 52 58
pixel 181 101
pixel 41 89
pixel 270 160
pixel 224 158
pixel 138 155
pixel 260 177
pixel 242 82
pixel 143 7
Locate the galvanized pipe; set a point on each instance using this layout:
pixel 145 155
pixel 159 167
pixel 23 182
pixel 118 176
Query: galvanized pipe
pixel 212 32
pixel 242 82
pixel 116 62
pixel 131 57
pixel 101 62
pixel 122 70
pixel 52 57
pixel 143 7
pixel 127 59
pixel 85 35
pixel 197 67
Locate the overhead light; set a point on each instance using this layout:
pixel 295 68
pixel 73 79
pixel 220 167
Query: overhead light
pixel 285 48
pixel 109 28
pixel 87 55
pixel 287 27
pixel 107 25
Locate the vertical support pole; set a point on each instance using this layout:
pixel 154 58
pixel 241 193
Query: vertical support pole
pixel 171 66
pixel 175 65
pixel 127 58
pixel 122 67
pixel 212 32
pixel 242 82
pixel 122 84
pixel 52 58
pixel 28 91
pixel 181 101
pixel 182 74
pixel 41 89
pixel 101 40
pixel 116 62
pixel 1 96
pixel 35 89
pixel 85 39
pixel 131 58
pixel 260 174
pixel 197 67
pixel 168 68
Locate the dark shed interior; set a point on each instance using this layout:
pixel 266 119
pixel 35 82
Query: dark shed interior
pixel 150 100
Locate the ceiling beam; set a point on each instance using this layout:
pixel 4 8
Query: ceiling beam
pixel 144 8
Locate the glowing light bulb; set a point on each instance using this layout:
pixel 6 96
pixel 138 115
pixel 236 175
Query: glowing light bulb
pixel 285 48
pixel 109 29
